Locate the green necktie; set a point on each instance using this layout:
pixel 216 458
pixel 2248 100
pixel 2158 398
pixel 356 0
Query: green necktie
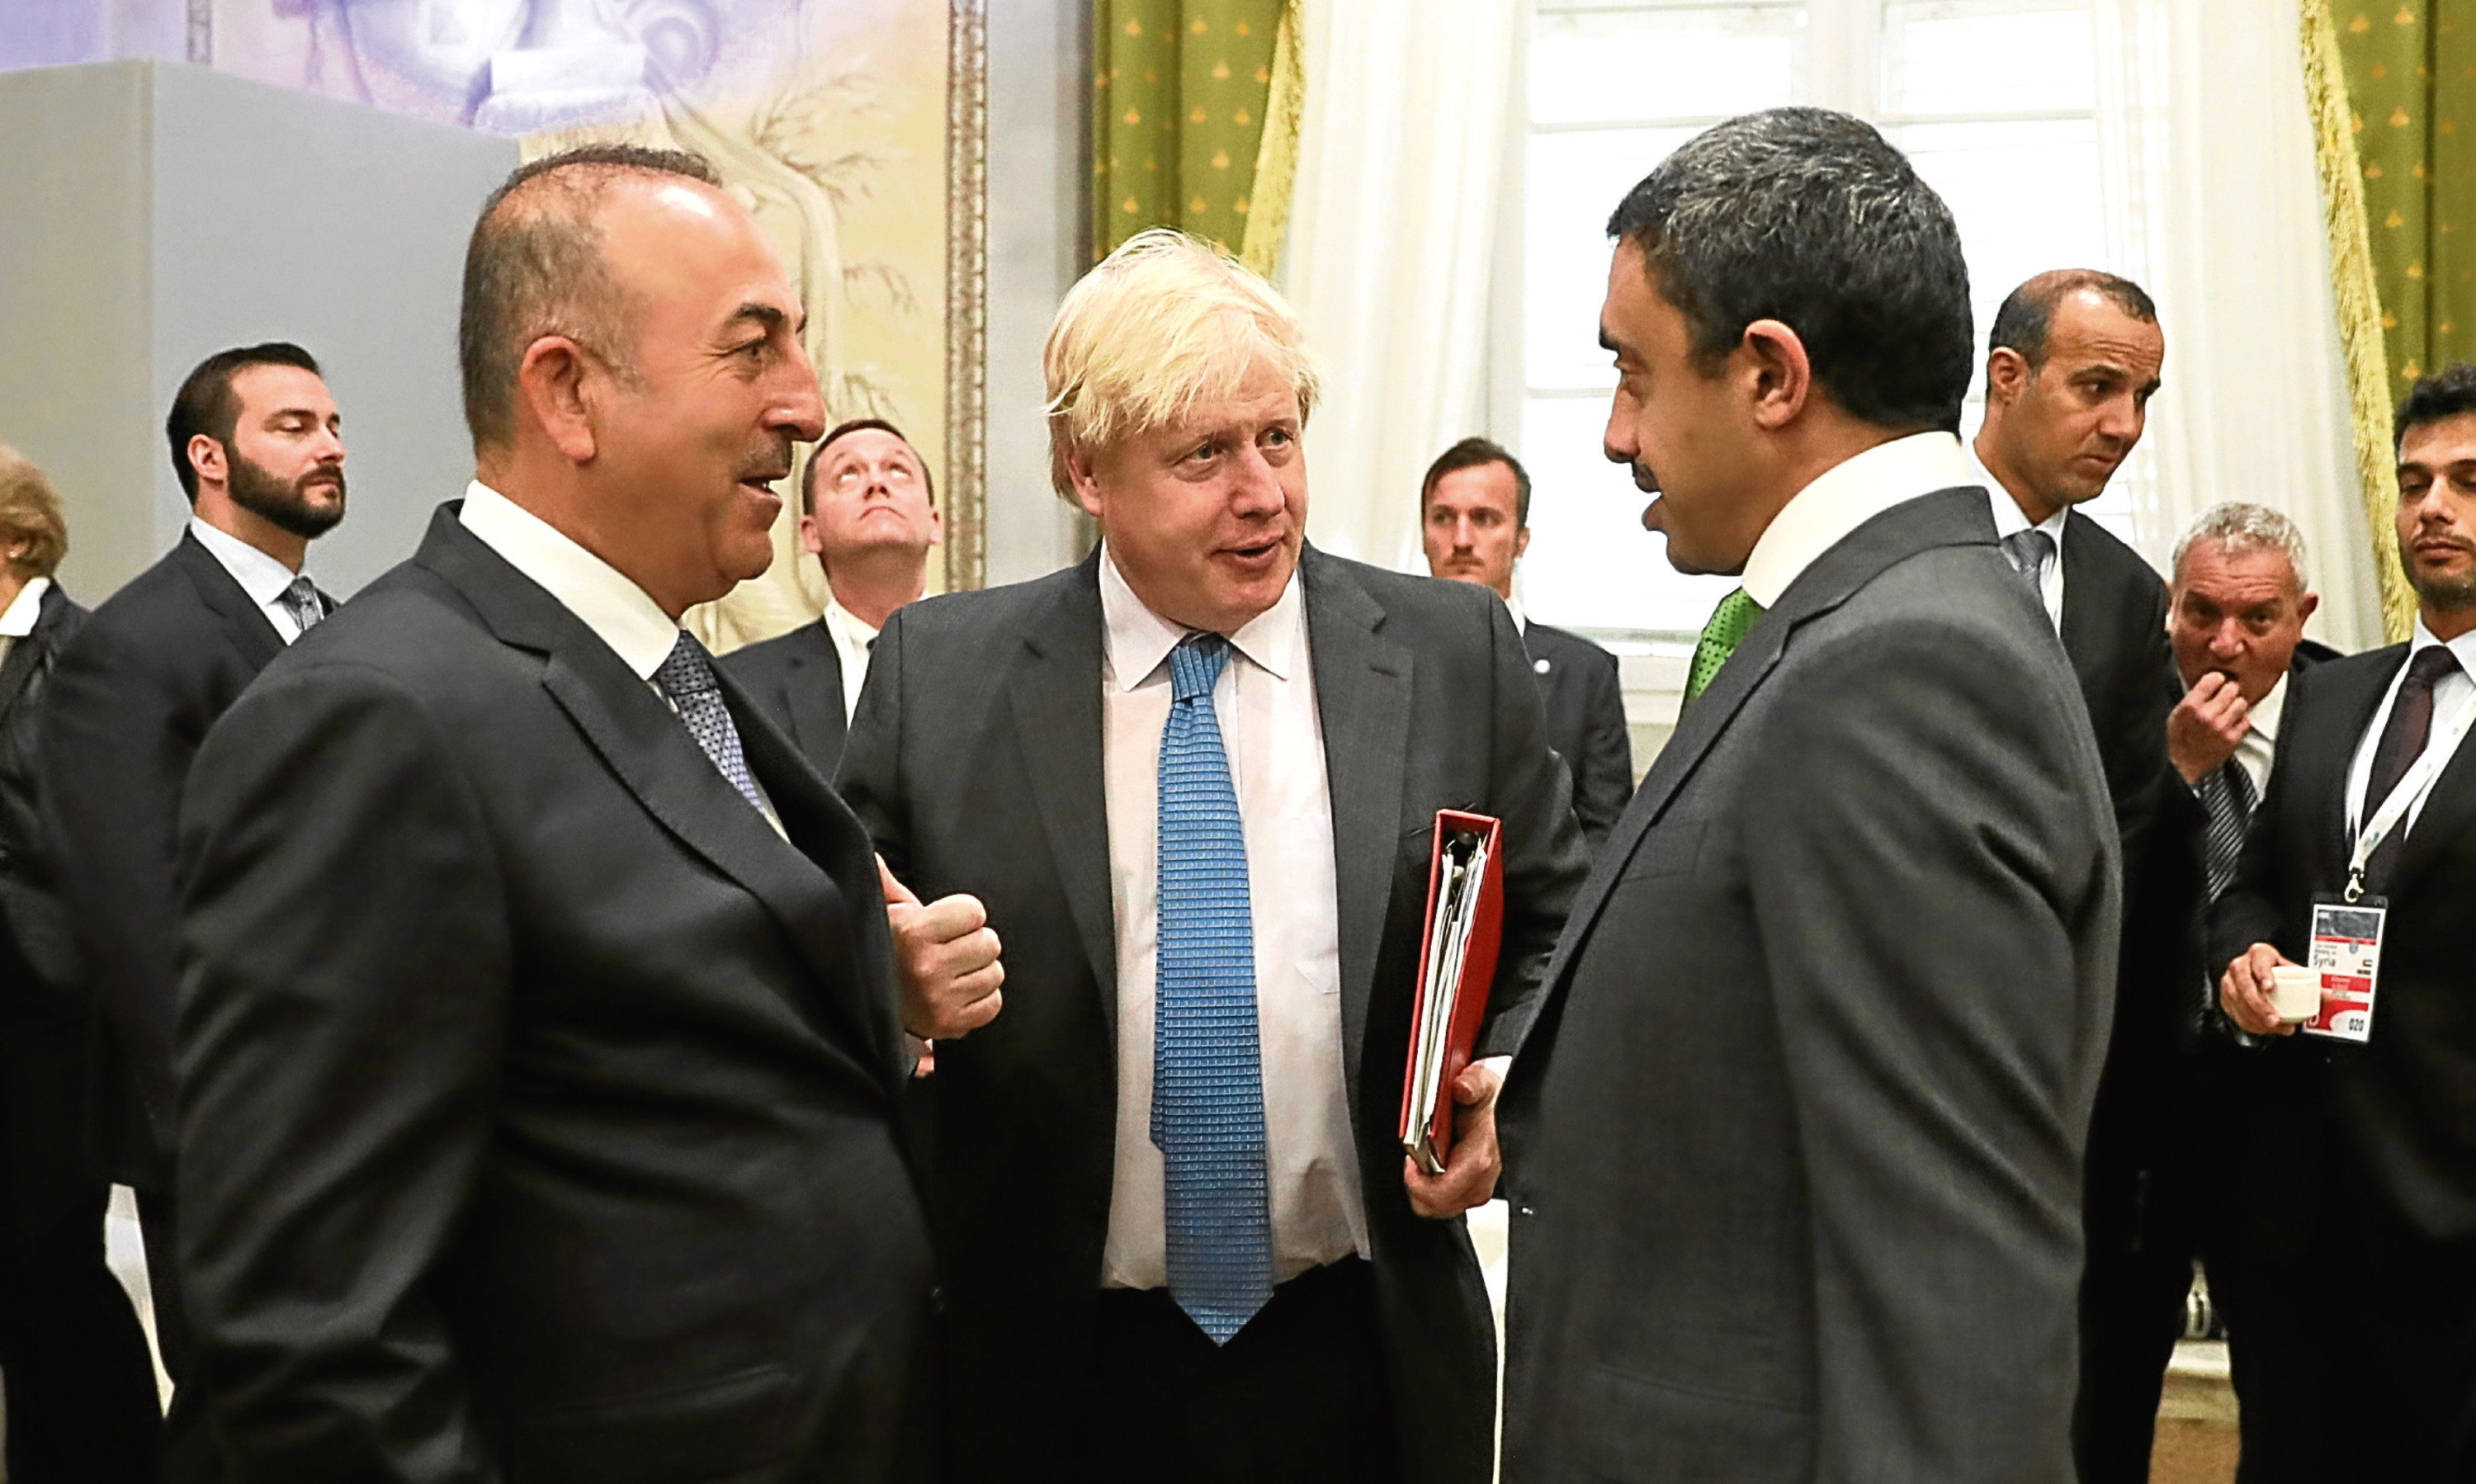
pixel 1730 622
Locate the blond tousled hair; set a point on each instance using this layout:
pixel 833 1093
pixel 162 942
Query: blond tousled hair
pixel 1162 324
pixel 30 513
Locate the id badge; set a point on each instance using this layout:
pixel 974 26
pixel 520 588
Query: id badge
pixel 2347 951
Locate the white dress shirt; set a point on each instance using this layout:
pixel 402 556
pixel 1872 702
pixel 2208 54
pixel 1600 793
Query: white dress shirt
pixel 18 619
pixel 2260 745
pixel 608 601
pixel 263 578
pixel 1844 497
pixel 2010 518
pixel 853 642
pixel 2453 695
pixel 1265 702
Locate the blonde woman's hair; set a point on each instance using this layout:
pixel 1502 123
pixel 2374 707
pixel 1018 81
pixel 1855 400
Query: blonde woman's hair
pixel 1163 323
pixel 30 515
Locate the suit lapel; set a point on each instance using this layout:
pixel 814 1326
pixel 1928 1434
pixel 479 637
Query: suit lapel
pixel 2350 708
pixel 644 745
pixel 1946 518
pixel 1055 697
pixel 243 621
pixel 1363 684
pixel 19 664
pixel 2088 623
pixel 813 697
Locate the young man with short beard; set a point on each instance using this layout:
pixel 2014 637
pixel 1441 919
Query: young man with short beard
pixel 260 451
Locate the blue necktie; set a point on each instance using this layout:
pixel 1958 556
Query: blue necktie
pixel 686 676
pixel 1207 1070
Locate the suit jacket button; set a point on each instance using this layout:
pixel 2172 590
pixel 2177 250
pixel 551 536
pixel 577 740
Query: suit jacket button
pixel 1538 665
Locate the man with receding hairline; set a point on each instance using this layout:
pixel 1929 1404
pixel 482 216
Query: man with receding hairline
pixel 537 1044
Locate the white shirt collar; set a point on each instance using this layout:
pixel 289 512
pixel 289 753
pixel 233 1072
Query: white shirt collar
pixel 2009 517
pixel 261 575
pixel 2464 646
pixel 608 601
pixel 17 620
pixel 847 626
pixel 1520 619
pixel 1844 497
pixel 1138 639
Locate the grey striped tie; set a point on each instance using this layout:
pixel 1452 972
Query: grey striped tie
pixel 2227 796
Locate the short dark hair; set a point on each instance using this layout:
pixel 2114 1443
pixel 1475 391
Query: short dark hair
pixel 2027 314
pixel 808 475
pixel 535 268
pixel 2447 393
pixel 1812 218
pixel 1478 454
pixel 207 403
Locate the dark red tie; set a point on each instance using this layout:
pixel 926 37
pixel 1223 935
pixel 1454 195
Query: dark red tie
pixel 2402 743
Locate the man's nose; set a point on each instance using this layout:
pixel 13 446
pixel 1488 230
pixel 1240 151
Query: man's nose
pixel 2227 639
pixel 798 408
pixel 1255 490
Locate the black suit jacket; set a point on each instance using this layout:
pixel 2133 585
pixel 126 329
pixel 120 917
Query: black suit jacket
pixel 536 1096
pixel 32 925
pixel 153 669
pixel 1798 1132
pixel 45 1020
pixel 2387 1127
pixel 2115 632
pixel 1586 722
pixel 975 760
pixel 798 679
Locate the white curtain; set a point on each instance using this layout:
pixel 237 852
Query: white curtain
pixel 2213 204
pixel 1393 225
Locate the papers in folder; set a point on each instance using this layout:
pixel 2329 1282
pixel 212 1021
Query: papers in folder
pixel 1465 916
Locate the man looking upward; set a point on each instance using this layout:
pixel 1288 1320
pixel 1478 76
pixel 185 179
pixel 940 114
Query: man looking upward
pixel 869 516
pixel 1476 525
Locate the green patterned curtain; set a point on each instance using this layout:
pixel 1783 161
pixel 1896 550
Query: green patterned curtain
pixel 1181 92
pixel 2393 88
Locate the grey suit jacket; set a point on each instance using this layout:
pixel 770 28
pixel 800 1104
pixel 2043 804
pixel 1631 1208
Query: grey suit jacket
pixel 974 761
pixel 1798 1133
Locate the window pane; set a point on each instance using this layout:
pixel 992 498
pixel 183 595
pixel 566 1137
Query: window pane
pixel 1591 565
pixel 1988 56
pixel 1600 66
pixel 1575 180
pixel 2026 196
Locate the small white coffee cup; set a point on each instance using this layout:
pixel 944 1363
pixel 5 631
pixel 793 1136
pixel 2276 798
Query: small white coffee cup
pixel 2295 993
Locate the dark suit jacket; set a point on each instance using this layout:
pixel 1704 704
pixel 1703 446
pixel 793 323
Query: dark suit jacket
pixel 536 1097
pixel 1798 1132
pixel 975 760
pixel 45 1020
pixel 1586 722
pixel 132 699
pixel 2115 632
pixel 798 679
pixel 33 923
pixel 2387 1128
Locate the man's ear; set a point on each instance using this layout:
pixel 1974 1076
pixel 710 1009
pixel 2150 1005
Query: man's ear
pixel 2007 375
pixel 1771 362
pixel 551 388
pixel 1521 542
pixel 1080 472
pixel 2305 605
pixel 206 459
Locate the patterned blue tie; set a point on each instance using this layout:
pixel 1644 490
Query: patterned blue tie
pixel 1207 1070
pixel 686 676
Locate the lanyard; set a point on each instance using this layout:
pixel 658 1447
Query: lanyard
pixel 2411 786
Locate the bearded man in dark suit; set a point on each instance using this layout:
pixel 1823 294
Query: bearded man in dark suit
pixel 1796 1138
pixel 258 445
pixel 536 1043
pixel 1193 781
pixel 2355 1161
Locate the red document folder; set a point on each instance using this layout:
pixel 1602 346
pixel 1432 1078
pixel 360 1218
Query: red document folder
pixel 1456 966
